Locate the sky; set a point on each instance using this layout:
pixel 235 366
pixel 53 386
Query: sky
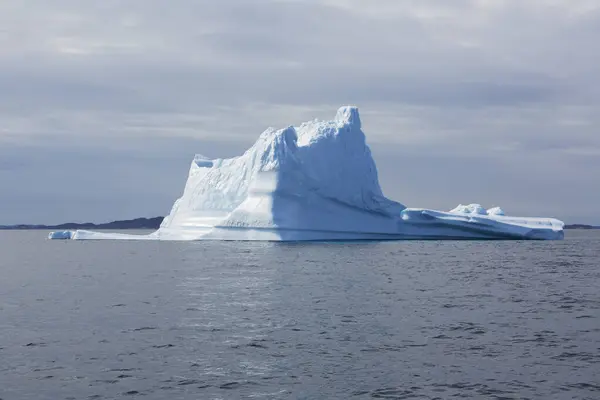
pixel 104 104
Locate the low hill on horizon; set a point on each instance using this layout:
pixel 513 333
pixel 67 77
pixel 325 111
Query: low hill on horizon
pixel 137 223
pixel 580 226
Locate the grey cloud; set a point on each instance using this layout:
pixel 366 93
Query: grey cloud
pixel 274 52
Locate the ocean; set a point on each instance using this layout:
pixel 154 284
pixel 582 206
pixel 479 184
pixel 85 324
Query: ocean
pixel 226 320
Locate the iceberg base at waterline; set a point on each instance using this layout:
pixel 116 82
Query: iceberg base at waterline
pixel 61 235
pixel 413 224
pixel 315 182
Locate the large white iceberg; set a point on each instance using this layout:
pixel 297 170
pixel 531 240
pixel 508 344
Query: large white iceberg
pixel 315 182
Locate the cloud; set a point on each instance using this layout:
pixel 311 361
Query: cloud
pixel 504 80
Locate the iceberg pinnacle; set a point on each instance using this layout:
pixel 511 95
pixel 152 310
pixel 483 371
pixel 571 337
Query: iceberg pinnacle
pixel 348 115
pixel 315 181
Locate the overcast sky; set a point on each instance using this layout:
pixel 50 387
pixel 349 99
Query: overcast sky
pixel 103 104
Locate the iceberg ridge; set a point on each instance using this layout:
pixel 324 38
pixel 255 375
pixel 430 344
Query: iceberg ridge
pixel 317 181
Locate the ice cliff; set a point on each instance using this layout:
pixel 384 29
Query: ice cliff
pixel 317 181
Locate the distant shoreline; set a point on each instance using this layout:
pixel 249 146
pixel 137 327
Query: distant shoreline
pixel 580 226
pixel 152 223
pixel 137 223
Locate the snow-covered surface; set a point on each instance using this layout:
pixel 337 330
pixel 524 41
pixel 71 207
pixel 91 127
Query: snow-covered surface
pixel 495 211
pixel 317 181
pixel 476 209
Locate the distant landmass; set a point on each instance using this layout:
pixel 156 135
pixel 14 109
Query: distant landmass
pixel 581 226
pixel 154 223
pixel 138 223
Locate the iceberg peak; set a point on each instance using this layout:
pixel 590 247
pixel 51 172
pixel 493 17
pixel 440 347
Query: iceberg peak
pixel 348 115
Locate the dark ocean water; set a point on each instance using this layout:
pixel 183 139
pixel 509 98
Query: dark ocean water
pixel 395 320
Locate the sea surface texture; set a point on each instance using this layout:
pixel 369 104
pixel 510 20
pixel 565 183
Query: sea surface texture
pixel 218 320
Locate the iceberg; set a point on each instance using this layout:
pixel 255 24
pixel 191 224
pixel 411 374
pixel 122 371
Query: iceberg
pixel 315 182
pixel 60 235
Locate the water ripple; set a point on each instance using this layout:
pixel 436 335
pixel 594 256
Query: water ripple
pixel 409 320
